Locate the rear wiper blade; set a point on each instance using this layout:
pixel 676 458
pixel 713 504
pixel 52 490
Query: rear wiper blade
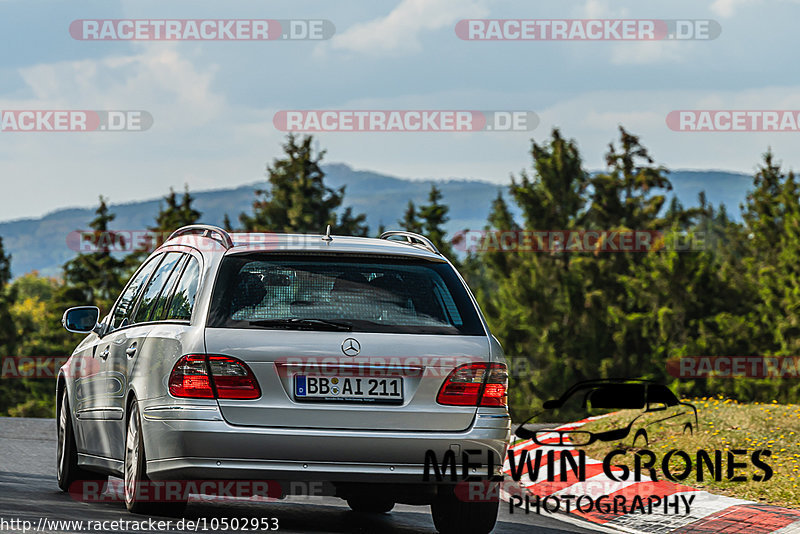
pixel 295 323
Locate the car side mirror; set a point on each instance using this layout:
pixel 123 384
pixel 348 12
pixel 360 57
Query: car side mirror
pixel 81 319
pixel 656 407
pixel 550 404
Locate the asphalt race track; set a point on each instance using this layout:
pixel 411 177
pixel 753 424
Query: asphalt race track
pixel 28 492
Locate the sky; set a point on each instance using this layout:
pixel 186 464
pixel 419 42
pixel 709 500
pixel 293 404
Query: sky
pixel 213 102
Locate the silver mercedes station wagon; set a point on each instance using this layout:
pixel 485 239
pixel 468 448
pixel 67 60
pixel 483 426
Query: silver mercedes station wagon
pixel 362 365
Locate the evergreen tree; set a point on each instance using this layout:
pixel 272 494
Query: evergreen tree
pixel 561 316
pixel 484 269
pixel 433 217
pixel 628 196
pixel 8 339
pixel 354 225
pixel 226 224
pixel 172 214
pixel 551 198
pixel 35 322
pixel 298 201
pixel 97 278
pixel 410 221
pixel 176 214
pixel 534 302
pixel 772 262
pixel 566 316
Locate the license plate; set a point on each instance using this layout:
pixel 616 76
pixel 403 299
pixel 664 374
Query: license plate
pixel 348 388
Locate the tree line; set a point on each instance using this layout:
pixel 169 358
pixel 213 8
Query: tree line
pixel 561 316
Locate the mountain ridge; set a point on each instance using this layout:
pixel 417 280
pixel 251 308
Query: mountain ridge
pixel 39 243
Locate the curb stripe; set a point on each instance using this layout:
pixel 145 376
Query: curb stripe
pixel 709 513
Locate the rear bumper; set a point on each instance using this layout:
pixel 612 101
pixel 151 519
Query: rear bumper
pixel 210 448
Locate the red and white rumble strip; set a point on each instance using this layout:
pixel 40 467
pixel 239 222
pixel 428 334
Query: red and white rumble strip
pixel 708 512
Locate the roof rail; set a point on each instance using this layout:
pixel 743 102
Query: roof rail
pixel 205 230
pixel 412 239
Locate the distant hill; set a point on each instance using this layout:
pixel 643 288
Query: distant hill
pixel 40 243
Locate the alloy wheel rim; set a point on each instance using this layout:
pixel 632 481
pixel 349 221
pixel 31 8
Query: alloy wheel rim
pixel 131 456
pixel 62 435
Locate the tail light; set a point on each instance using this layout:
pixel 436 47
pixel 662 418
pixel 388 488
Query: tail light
pixel 203 376
pixel 189 378
pixel 475 384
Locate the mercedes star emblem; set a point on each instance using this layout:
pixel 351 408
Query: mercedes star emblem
pixel 351 347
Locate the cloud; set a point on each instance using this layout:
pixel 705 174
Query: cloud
pixel 399 32
pixel 633 53
pixel 727 8
pixel 46 170
pixel 592 118
pixel 598 9
pixel 158 80
pixel 646 52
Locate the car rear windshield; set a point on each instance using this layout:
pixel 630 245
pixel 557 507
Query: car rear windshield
pixel 361 294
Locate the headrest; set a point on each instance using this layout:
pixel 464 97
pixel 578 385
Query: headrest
pixel 250 291
pixel 348 282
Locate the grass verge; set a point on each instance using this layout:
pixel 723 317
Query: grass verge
pixel 724 425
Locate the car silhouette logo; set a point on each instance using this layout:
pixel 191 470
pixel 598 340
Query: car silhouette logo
pixel 351 347
pixel 646 402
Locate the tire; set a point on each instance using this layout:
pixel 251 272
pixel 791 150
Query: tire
pixel 370 505
pixel 135 473
pixel 452 515
pixel 67 470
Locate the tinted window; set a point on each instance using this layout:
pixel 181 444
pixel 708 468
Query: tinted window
pixel 659 393
pixel 367 294
pixel 125 305
pixel 154 286
pixel 183 300
pixel 162 302
pixel 618 397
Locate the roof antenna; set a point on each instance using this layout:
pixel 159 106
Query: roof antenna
pixel 327 236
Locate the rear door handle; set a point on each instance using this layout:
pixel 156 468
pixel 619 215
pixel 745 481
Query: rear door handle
pixel 104 354
pixel 131 351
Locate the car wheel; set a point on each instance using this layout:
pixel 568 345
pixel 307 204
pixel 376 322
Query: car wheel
pixel 688 428
pixel 67 469
pixel 452 515
pixel 370 505
pixel 137 484
pixel 641 434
